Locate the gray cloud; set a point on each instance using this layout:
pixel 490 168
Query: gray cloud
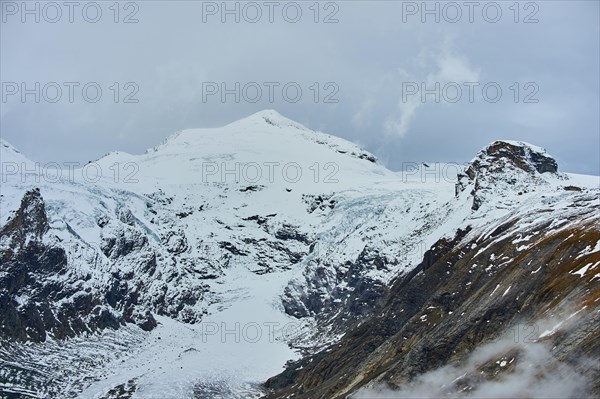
pixel 368 54
pixel 537 374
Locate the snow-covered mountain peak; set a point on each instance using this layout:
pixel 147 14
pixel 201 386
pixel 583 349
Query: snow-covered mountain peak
pixel 267 122
pixel 506 160
pixel 522 155
pixel 507 167
pixel 268 117
pixel 266 144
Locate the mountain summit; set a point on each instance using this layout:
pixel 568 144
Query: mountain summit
pixel 270 117
pixel 507 168
pixel 502 155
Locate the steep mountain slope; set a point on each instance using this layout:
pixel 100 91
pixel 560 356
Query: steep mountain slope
pixel 174 273
pixel 517 284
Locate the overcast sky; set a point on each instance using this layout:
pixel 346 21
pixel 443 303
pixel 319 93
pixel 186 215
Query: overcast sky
pixel 364 62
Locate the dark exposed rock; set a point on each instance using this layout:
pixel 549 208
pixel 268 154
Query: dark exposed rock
pixel 289 232
pixel 35 303
pixel 260 220
pixel 322 202
pixel 500 156
pixel 368 157
pixel 354 302
pixel 143 319
pixel 251 188
pixel 121 240
pixel 176 242
pixel 123 391
pixel 102 221
pixel 29 220
pixel 231 248
pixel 27 300
pixel 521 156
pixel 507 167
pixel 125 216
pixel 184 214
pixel 572 188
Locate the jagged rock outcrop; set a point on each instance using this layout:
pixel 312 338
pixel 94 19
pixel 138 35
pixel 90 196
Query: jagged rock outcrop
pixel 39 295
pixel 501 156
pixel 507 167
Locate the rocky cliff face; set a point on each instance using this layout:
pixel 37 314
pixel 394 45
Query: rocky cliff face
pixel 40 295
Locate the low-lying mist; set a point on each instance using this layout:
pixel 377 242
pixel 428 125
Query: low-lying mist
pixel 505 368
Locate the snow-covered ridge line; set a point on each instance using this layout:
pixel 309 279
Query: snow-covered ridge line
pixel 192 237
